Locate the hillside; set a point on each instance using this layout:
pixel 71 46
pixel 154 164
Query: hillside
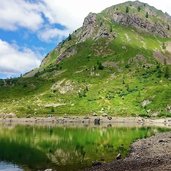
pixel 118 63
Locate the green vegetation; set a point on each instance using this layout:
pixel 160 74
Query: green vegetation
pixel 58 91
pixel 39 148
pixel 139 9
pixel 69 37
pixel 127 9
pixel 126 75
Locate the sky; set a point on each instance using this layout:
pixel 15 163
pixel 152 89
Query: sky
pixel 29 29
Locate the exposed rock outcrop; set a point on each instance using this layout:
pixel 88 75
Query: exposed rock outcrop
pixel 139 23
pixel 67 53
pixel 89 27
pixel 94 29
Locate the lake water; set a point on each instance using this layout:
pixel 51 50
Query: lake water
pixel 64 148
pixel 6 166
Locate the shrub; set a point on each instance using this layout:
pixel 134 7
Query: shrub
pixel 127 9
pixel 111 29
pixel 159 71
pixel 123 81
pixel 163 46
pixel 127 66
pixel 168 27
pixel 52 110
pixel 24 85
pixel 100 66
pixel 166 74
pixel 82 93
pixel 69 37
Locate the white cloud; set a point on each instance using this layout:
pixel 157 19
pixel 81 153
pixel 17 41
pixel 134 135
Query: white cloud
pixel 49 34
pixel 14 60
pixel 28 14
pixel 19 13
pixel 71 13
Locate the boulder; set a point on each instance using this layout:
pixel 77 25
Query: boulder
pixel 97 121
pixel 118 157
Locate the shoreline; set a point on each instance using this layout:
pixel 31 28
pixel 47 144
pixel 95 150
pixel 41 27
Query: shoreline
pixel 90 120
pixel 150 154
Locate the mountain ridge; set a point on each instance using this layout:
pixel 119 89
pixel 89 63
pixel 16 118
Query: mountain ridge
pixel 92 22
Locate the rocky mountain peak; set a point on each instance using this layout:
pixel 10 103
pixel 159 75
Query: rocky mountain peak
pixel 94 28
pixel 90 19
pixel 140 16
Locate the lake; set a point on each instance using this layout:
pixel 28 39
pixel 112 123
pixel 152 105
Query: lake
pixel 29 148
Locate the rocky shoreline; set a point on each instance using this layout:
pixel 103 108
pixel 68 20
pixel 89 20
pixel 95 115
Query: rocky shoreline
pixel 89 120
pixel 151 154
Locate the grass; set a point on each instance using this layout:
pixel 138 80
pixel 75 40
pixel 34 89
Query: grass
pixel 85 85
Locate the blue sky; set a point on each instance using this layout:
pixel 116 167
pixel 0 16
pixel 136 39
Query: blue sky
pixel 29 29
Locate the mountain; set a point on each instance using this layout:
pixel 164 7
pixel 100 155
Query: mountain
pixel 118 62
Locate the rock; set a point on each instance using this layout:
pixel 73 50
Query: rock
pixel 90 19
pixel 94 114
pixel 168 109
pixel 102 159
pixel 104 115
pixel 28 116
pixel 97 121
pixel 93 29
pixel 149 110
pixel 96 163
pixel 118 157
pixel 155 114
pixel 89 26
pixel 10 115
pixel 104 33
pixel 67 53
pixel 109 117
pixel 109 125
pixel 63 86
pixel 48 170
pixel 145 103
pixel 139 23
pixel 162 141
pixel 65 116
pixel 86 117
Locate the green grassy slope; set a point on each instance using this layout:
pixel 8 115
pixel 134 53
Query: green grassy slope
pixel 128 75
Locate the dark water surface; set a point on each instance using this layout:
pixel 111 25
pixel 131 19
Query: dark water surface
pixel 64 148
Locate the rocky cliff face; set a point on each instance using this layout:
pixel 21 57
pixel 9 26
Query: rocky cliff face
pixel 94 28
pixel 140 23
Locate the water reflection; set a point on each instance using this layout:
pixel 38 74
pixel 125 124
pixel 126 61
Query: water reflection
pixel 65 149
pixel 4 166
